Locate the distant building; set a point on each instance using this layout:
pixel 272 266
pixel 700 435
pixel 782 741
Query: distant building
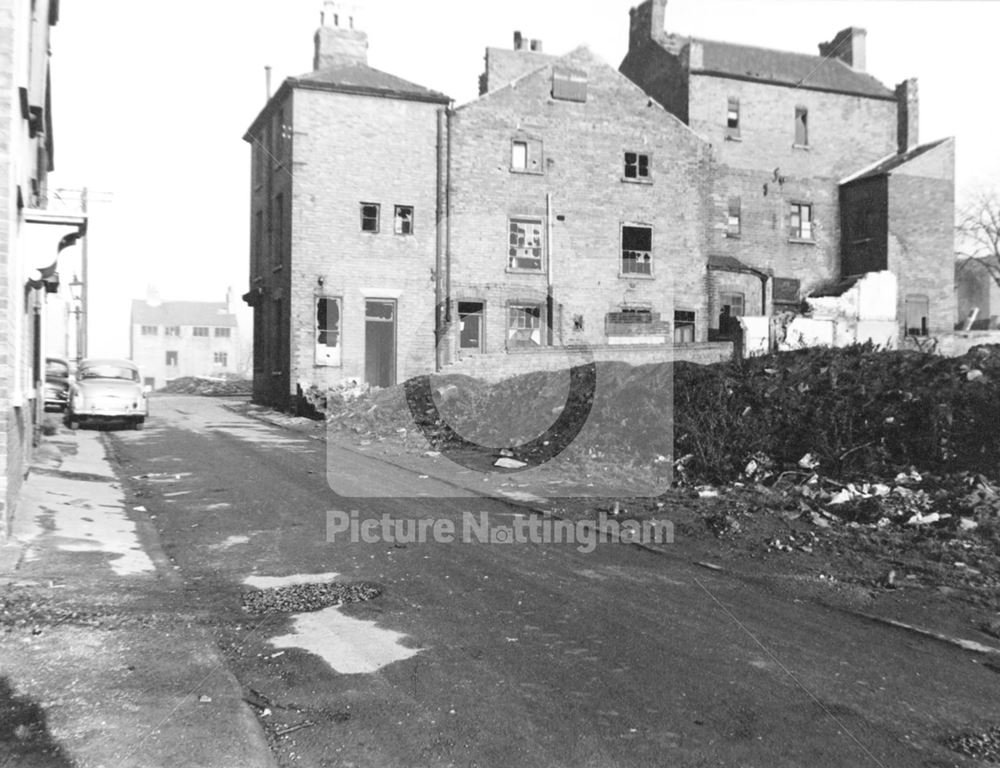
pixel 172 339
pixel 976 289
pixel 31 235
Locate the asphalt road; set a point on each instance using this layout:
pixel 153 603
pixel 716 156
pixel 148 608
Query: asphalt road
pixel 518 654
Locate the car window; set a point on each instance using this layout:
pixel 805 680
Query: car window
pixel 109 372
pixel 56 368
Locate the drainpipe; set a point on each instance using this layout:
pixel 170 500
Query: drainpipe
pixel 447 230
pixel 440 244
pixel 549 302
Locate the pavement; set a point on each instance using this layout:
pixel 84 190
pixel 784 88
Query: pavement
pixel 103 664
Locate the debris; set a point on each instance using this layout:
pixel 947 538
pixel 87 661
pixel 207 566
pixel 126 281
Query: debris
pixel 299 598
pixel 293 728
pixel 808 462
pixel 508 463
pixel 204 699
pixel 710 566
pixel 707 492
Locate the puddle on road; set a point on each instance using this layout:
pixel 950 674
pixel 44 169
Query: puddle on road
pixel 271 582
pixel 350 646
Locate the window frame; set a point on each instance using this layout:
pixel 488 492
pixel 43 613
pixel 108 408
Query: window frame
pixel 639 177
pixel 914 298
pixel 172 330
pixel 222 332
pixel 534 155
pixel 176 358
pixel 328 360
pixel 398 220
pixel 149 330
pixel 734 203
pixel 538 221
pixel 529 305
pixel 801 118
pixel 648 275
pixel 377 218
pixel 224 361
pixel 795 209
pixel 733 125
pixel 199 331
pixel 685 323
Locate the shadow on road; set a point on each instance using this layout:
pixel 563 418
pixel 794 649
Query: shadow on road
pixel 25 740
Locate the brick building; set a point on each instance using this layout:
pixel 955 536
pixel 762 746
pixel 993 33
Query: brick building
pixel 172 339
pixel 576 210
pixel 31 236
pixel 344 212
pixel 801 141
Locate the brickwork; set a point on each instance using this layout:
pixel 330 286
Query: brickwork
pixel 581 170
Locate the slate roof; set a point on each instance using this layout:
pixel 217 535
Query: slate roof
pixel 788 68
pixel 891 162
pixel 201 313
pixel 360 78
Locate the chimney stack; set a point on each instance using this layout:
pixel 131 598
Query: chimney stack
pixel 646 23
pixel 907 115
pixel 848 46
pixel 536 46
pixel 518 41
pixel 337 42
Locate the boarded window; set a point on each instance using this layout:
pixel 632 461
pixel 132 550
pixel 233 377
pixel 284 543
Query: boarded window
pixel 733 119
pixel 526 155
pixel 525 244
pixel 917 309
pixel 569 84
pixel 637 250
pixel 636 165
pixel 369 217
pixel 801 126
pixel 524 325
pixel 734 216
pixel 800 222
pixel 327 330
pixel 683 326
pixel 403 220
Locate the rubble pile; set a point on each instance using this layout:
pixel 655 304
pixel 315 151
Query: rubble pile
pixel 300 598
pixel 197 385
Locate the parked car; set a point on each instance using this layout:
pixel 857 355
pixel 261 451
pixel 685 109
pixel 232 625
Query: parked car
pixel 57 378
pixel 107 390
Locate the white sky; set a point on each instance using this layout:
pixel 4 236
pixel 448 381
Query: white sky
pixel 151 101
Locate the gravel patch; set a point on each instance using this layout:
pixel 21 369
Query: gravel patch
pixel 301 598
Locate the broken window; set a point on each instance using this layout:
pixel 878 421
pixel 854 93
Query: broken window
pixel 327 330
pixel 199 330
pixel 577 322
pixel 800 223
pixel 732 304
pixel 403 220
pixel 524 325
pixel 636 166
pixel 172 330
pixel 525 244
pixel 733 119
pixel 470 325
pixel 917 309
pixel 683 326
pixel 220 358
pixel 369 217
pixel 526 155
pixel 222 333
pixel 637 250
pixel 171 358
pixel 801 127
pixel 733 219
pixel 150 330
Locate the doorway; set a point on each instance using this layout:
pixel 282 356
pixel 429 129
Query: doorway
pixel 380 342
pixel 470 323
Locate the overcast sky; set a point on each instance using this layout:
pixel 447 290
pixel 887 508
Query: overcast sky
pixel 151 101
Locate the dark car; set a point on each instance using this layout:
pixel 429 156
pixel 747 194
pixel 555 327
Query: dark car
pixel 57 378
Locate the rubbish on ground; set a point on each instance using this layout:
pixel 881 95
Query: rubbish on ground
pixel 508 463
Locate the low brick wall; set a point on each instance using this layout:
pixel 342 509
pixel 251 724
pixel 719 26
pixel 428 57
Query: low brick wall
pixel 500 365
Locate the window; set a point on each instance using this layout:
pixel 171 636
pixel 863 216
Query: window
pixel 222 333
pixel 569 84
pixel 150 330
pixel 470 325
pixel 220 358
pixel 801 127
pixel 733 119
pixel 732 304
pixel 172 330
pixel 403 220
pixel 282 136
pixel 524 325
pixel 327 330
pixel 526 155
pixel 258 240
pixel 171 358
pixel 917 308
pixel 525 241
pixel 577 322
pixel 683 326
pixel 637 250
pixel 369 217
pixel 278 230
pixel 636 166
pixel 800 224
pixel 733 219
pixel 199 330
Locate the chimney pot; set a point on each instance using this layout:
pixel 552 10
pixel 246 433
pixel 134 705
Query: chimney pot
pixel 646 23
pixel 518 41
pixel 536 45
pixel 907 115
pixel 848 45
